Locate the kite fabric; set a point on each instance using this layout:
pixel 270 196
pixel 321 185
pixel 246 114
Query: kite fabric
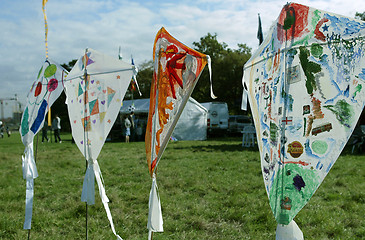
pixel 306 91
pixel 43 93
pixel 176 71
pixel 95 89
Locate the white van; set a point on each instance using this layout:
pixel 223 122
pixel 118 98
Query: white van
pixel 218 116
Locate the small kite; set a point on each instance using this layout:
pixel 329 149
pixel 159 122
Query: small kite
pixel 306 90
pixel 176 71
pixel 95 89
pixel 43 93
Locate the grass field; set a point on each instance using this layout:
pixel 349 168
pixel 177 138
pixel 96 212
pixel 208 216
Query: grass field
pixel 209 190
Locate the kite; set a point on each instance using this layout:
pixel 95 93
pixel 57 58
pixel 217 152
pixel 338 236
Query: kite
pixel 43 93
pixel 95 88
pixel 176 71
pixel 305 86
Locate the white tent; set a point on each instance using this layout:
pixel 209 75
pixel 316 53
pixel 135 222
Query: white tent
pixel 192 124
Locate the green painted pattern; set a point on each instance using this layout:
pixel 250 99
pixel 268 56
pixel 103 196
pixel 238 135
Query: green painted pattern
pixel 39 73
pixel 344 112
pixel 25 122
pixel 285 198
pixel 319 146
pixel 50 70
pixel 316 50
pixel 309 68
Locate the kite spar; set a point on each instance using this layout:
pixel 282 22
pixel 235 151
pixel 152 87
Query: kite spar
pixel 176 71
pixel 95 89
pixel 43 93
pixel 306 90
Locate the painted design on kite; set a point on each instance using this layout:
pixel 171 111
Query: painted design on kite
pixel 177 68
pixel 318 82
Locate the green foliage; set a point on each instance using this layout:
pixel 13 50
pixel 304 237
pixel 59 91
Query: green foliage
pixel 227 65
pixel 360 16
pixel 208 189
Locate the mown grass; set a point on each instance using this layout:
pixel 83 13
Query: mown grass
pixel 209 190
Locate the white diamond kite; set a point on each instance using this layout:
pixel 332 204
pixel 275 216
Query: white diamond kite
pixel 95 89
pixel 43 93
pixel 176 71
pixel 306 91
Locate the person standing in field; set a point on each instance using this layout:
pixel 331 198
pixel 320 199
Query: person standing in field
pixel 127 125
pixel 56 127
pixel 44 132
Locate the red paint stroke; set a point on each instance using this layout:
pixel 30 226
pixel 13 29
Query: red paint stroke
pixel 318 34
pixel 300 25
pixel 38 89
pixel 299 162
pixel 172 65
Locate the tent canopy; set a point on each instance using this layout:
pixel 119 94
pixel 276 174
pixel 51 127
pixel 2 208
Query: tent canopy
pixel 192 124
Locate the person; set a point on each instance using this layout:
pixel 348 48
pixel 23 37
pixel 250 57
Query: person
pixel 1 129
pixel 8 131
pixel 132 128
pixel 56 127
pixel 139 131
pixel 127 125
pixel 44 132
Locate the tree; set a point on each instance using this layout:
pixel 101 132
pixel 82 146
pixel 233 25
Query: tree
pixel 227 65
pixel 360 16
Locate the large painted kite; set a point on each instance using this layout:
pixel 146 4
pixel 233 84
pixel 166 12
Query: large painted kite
pixel 176 71
pixel 43 93
pixel 95 89
pixel 306 90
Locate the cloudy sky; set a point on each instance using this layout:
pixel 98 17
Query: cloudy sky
pixel 104 25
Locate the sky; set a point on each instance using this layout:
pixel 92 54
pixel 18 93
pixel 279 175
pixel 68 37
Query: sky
pixel 106 25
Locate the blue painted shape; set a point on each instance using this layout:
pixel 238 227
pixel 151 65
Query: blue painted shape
pixel 40 117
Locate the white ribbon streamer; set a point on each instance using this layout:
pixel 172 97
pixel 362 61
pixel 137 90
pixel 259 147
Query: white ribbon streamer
pixel 88 187
pixel 210 77
pixel 244 99
pixel 29 204
pixel 88 190
pixel 155 221
pixel 289 232
pixel 29 173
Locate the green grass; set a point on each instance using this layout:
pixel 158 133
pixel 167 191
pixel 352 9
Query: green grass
pixel 209 190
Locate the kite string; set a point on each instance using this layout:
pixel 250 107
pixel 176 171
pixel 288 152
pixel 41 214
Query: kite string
pixel 45 26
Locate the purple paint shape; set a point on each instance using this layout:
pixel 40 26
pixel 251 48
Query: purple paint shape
pixel 103 102
pixel 92 81
pixel 82 82
pixel 72 101
pixel 82 142
pixel 80 101
pixel 94 121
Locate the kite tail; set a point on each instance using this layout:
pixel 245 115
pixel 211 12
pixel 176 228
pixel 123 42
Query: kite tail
pixel 88 189
pixel 135 71
pixel 29 173
pixel 289 232
pixel 104 198
pixel 155 222
pixel 210 77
